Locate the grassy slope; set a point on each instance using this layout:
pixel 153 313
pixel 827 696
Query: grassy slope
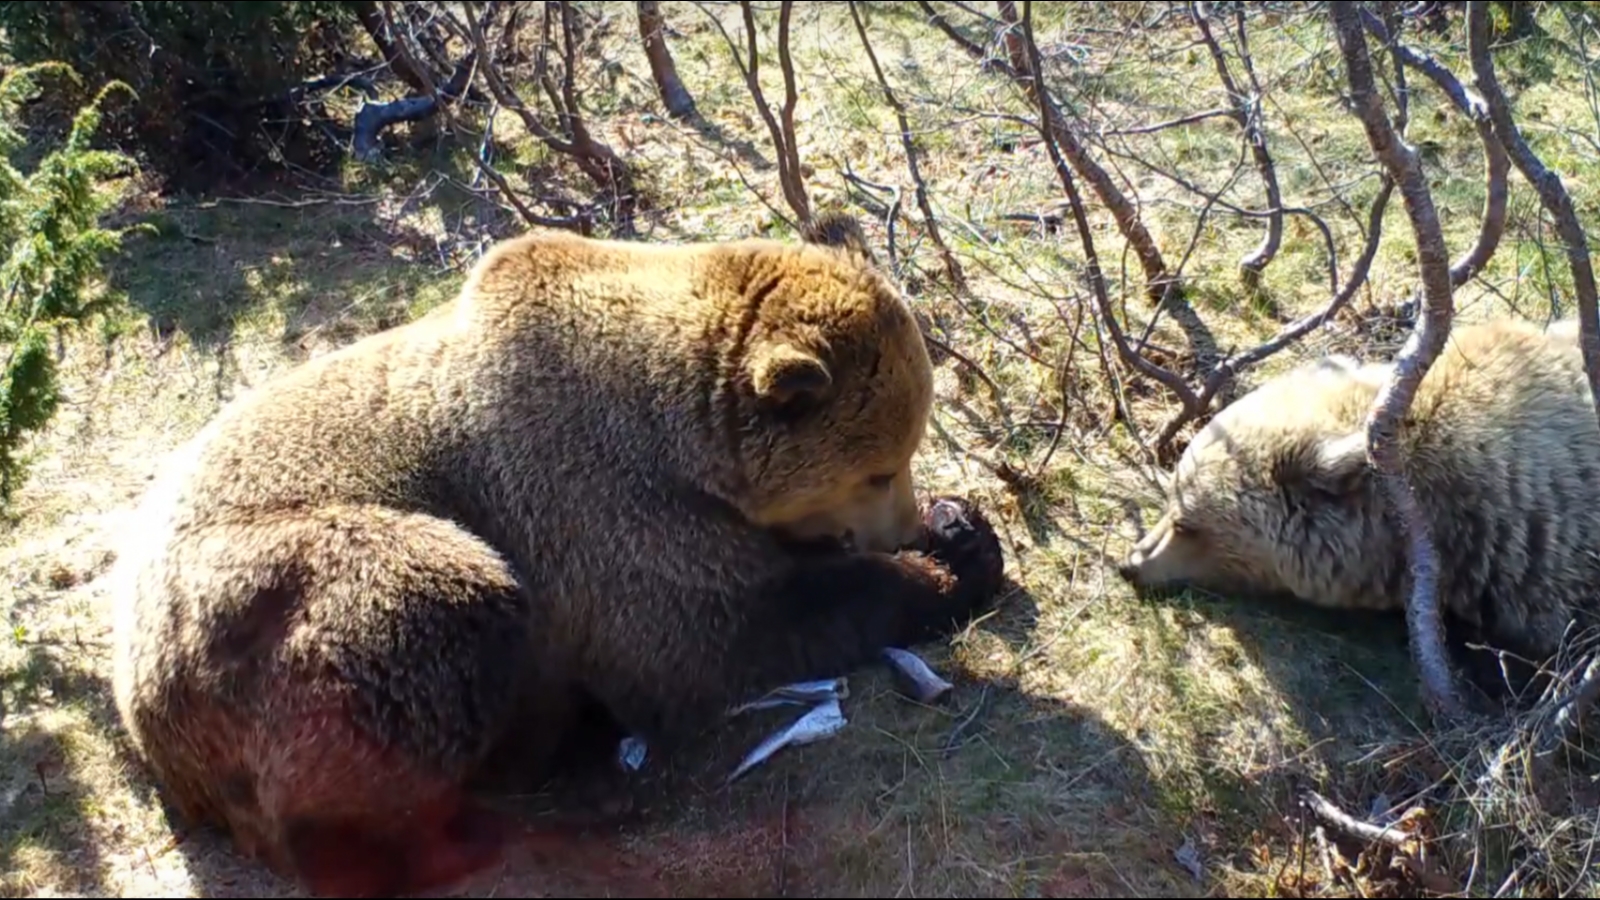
pixel 1091 735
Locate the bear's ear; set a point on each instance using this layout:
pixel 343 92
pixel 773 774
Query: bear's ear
pixel 836 228
pixel 1328 465
pixel 788 377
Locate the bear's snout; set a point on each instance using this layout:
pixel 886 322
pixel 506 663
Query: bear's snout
pixel 1132 565
pixel 1145 563
pixel 1129 569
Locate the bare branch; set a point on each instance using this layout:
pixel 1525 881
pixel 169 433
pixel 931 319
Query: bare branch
pixel 951 267
pixel 1347 824
pixel 1570 709
pixel 400 61
pixel 937 19
pixel 1558 203
pixel 1497 164
pixel 1049 130
pixel 373 118
pixel 1246 113
pixel 1159 282
pixel 652 30
pixel 1427 340
pixel 791 96
pixel 1229 369
pixel 783 136
pixel 596 159
pixel 1170 123
pixel 1021 61
pixel 1552 193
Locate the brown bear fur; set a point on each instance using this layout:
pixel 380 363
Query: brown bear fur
pixel 1275 497
pixel 659 479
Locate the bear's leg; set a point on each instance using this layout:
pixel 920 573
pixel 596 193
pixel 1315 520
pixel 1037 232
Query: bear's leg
pixel 558 729
pixel 1503 662
pixel 561 737
pixel 354 819
pixel 349 670
pixel 833 614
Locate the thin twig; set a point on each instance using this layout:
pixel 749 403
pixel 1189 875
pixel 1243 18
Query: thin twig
pixel 1497 163
pixel 1170 123
pixel 961 727
pixel 597 160
pixel 783 136
pixel 1335 817
pixel 1552 192
pixel 951 267
pixel 1026 70
pixel 1229 369
pixel 1050 131
pixel 1246 113
pixel 937 19
pixel 1570 709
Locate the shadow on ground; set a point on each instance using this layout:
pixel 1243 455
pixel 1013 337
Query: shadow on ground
pixel 992 792
pixel 45 808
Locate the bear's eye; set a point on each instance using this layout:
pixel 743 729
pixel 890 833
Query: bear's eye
pixel 879 482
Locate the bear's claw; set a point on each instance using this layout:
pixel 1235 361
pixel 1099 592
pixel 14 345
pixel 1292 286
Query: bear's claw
pixel 960 537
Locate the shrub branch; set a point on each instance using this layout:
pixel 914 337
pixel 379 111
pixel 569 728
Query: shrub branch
pixel 1424 622
pixel 951 267
pixel 1497 164
pixel 1246 113
pixel 784 140
pixel 1552 192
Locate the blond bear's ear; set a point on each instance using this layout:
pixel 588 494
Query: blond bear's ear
pixel 1332 466
pixel 787 376
pixel 1339 463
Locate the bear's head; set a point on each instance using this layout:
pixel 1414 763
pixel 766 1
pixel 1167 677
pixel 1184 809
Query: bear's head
pixel 1275 498
pixel 835 391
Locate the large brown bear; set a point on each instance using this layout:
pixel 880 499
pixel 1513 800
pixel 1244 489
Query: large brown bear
pixel 659 479
pixel 1275 497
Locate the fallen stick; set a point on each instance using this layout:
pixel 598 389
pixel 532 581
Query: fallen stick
pixel 1338 819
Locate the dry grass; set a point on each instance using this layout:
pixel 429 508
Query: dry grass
pixel 1092 737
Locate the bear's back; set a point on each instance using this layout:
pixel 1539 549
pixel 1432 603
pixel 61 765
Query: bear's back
pixel 1504 454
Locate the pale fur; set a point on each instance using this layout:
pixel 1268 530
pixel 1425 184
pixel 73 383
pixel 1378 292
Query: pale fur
pixel 1275 497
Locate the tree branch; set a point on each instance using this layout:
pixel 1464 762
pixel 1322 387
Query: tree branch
pixel 596 159
pixel 373 118
pixel 1558 203
pixel 1415 358
pixel 1022 61
pixel 1229 369
pixel 1159 282
pixel 1246 112
pixel 937 20
pixel 400 61
pixel 652 30
pixel 1552 193
pixel 789 177
pixel 1347 824
pixel 951 267
pixel 791 96
pixel 1049 130
pixel 1497 164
